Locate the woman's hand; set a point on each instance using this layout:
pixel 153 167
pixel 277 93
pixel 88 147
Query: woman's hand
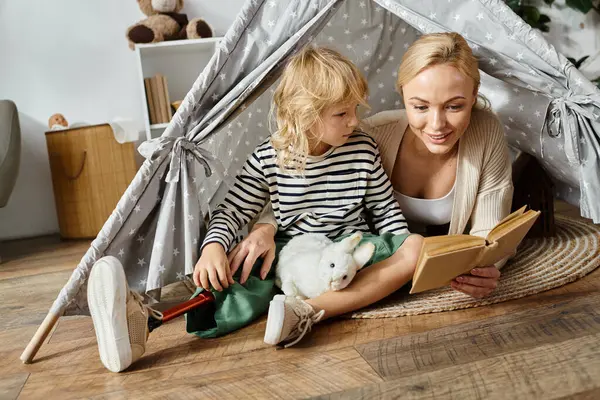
pixel 259 243
pixel 481 282
pixel 213 268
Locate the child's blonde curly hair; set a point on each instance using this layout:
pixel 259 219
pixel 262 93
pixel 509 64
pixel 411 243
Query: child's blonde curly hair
pixel 314 79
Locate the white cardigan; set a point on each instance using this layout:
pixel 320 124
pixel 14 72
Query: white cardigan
pixel 484 189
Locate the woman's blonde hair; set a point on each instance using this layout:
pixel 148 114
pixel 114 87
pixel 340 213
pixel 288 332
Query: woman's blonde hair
pixel 438 49
pixel 314 79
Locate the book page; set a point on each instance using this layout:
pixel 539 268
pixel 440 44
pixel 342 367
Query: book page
pixel 508 218
pixel 514 223
pixel 505 242
pixel 435 245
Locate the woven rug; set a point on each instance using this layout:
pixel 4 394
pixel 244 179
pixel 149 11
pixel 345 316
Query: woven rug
pixel 540 264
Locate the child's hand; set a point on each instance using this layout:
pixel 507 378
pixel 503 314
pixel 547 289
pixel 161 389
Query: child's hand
pixel 213 267
pixel 259 243
pixel 481 282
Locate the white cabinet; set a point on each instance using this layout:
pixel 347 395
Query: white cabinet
pixel 180 61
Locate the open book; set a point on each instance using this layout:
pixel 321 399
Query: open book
pixel 443 258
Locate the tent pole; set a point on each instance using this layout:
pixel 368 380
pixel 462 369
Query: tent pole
pixel 40 335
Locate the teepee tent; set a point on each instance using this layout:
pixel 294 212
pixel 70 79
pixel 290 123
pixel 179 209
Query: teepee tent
pixel 548 108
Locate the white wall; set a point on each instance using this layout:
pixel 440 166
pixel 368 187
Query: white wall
pixel 70 57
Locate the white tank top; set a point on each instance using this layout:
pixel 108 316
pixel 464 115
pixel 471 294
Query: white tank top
pixel 423 212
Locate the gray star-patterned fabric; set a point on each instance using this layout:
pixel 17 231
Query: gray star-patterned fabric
pixel 547 107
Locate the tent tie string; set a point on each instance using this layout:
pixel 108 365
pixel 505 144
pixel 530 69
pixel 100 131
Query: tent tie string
pixel 181 149
pixel 564 113
pixel 185 150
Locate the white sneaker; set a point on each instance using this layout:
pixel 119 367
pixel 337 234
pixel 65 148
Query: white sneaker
pixel 119 315
pixel 289 320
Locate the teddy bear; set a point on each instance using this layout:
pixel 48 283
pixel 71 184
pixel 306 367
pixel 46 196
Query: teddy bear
pixel 164 22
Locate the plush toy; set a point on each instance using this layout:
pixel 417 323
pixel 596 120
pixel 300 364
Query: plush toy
pixel 57 121
pixel 164 22
pixel 310 265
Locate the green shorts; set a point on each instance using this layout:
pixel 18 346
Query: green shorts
pixel 239 305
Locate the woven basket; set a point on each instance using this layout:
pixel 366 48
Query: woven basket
pixel 90 172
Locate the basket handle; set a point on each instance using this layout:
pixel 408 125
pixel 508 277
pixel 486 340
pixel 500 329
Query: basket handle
pixel 64 169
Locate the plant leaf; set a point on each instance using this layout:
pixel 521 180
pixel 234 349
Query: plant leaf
pixel 577 63
pixel 514 5
pixel 582 5
pixel 531 15
pixel 544 19
pixel 580 61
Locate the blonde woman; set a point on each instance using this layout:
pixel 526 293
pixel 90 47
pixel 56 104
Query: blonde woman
pixel 445 154
pixel 322 176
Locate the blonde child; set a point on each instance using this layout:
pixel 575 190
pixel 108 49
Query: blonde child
pixel 321 175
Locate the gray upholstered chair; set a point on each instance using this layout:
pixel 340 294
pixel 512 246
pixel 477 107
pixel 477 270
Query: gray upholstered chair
pixel 10 149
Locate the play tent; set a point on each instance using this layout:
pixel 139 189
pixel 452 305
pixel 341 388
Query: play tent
pixel 548 109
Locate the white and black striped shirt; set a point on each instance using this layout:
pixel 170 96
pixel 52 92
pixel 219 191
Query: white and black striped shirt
pixel 332 197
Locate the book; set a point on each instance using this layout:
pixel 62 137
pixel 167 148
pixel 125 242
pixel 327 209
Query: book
pixel 167 99
pixel 155 100
pixel 150 101
pixel 162 100
pixel 443 258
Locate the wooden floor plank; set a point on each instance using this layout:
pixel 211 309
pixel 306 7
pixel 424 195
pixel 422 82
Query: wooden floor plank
pixel 592 394
pixel 459 344
pixel 552 371
pixel 294 373
pixel 26 300
pixel 11 385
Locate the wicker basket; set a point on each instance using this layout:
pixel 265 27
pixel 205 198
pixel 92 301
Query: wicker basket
pixel 90 172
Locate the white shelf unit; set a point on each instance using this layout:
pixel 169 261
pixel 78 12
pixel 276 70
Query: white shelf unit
pixel 180 61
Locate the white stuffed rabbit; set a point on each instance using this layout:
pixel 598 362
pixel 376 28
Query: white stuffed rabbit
pixel 310 265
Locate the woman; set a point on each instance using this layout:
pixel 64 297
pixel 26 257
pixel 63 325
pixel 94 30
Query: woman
pixel 445 154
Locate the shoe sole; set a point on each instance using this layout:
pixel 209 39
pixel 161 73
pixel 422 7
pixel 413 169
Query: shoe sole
pixel 275 320
pixel 107 297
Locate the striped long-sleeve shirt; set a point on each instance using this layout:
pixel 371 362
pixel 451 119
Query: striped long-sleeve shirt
pixel 333 196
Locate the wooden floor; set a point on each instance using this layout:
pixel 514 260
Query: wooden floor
pixel 545 346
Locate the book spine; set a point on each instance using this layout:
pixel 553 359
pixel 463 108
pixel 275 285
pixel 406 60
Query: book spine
pixel 155 101
pixel 162 99
pixel 489 248
pixel 150 101
pixel 168 99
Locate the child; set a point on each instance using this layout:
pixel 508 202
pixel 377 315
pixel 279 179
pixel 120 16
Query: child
pixel 321 176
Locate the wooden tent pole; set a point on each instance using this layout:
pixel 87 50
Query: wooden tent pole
pixel 40 335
